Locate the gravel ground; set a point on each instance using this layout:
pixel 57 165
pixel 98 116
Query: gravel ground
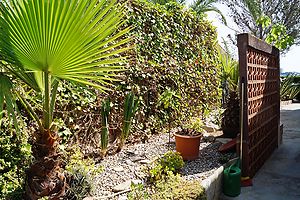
pixel 128 164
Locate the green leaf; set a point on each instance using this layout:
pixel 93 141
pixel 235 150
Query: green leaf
pixel 63 38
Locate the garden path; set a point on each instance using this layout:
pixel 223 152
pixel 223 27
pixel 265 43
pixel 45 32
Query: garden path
pixel 279 178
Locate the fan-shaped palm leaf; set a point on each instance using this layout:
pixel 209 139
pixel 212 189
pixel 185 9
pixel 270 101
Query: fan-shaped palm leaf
pixel 68 39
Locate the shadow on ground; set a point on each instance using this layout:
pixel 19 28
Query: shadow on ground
pixel 279 178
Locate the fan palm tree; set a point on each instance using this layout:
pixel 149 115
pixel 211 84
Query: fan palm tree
pixel 43 42
pixel 203 6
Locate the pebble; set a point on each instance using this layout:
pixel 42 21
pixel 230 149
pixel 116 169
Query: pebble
pixel 129 162
pixel 131 156
pixel 88 198
pixel 119 169
pixel 122 186
pixel 137 158
pixel 136 182
pixel 145 161
pixel 122 198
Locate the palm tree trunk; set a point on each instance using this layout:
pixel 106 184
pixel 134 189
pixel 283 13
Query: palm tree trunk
pixel 45 176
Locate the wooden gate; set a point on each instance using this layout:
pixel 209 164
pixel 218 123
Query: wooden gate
pixel 260 73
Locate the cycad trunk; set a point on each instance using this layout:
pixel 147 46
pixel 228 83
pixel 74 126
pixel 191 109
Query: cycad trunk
pixel 45 176
pixel 231 116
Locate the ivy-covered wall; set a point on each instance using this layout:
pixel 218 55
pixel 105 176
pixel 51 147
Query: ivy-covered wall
pixel 173 49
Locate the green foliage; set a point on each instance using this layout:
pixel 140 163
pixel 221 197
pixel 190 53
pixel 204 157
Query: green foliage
pixel 257 17
pixel 130 107
pixel 277 35
pixel 176 188
pixel 73 41
pixel 289 88
pixel 163 2
pixel 203 6
pixel 105 109
pixel 138 192
pixel 174 49
pixel 80 174
pixel 195 125
pixel 169 162
pixel 230 72
pixel 168 102
pixel 230 79
pixel 15 156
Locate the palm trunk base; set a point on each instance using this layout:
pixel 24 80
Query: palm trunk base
pixel 45 176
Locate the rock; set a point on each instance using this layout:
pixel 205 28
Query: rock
pixel 123 198
pixel 136 159
pixel 223 140
pixel 209 128
pixel 208 139
pixel 145 161
pixel 136 182
pixel 118 169
pixel 122 186
pixel 130 152
pixel 129 162
pixel 88 198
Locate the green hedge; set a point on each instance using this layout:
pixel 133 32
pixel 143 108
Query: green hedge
pixel 172 48
pixel 14 158
pixel 175 49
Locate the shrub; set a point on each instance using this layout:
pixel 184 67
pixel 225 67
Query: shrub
pixel 138 192
pixel 289 87
pixel 15 156
pixel 174 49
pixel 169 162
pixel 176 188
pixel 80 174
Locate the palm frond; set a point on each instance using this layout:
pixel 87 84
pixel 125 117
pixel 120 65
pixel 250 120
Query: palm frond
pixel 64 38
pixel 203 6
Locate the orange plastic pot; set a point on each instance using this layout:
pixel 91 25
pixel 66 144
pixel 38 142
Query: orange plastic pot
pixel 188 146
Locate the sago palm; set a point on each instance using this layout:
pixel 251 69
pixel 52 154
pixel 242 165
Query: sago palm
pixel 230 78
pixel 43 42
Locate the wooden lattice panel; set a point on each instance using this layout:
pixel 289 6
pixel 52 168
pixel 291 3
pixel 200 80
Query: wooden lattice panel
pixel 259 71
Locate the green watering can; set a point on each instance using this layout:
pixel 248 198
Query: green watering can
pixel 232 180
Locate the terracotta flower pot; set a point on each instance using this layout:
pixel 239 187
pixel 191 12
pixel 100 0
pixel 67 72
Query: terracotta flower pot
pixel 188 146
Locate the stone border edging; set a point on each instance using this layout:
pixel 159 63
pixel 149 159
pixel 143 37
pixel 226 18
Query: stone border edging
pixel 213 184
pixel 285 103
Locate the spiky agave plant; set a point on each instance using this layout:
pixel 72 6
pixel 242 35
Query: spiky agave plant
pixel 288 89
pixel 105 109
pixel 130 107
pixel 43 42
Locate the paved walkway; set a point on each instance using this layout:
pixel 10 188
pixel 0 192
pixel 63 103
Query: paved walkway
pixel 279 178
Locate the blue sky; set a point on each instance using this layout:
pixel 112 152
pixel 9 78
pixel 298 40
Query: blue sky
pixel 288 62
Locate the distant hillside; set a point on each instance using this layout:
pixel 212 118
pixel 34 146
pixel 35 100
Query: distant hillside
pixel 287 73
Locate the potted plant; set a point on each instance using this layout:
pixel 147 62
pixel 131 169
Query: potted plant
pixel 188 138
